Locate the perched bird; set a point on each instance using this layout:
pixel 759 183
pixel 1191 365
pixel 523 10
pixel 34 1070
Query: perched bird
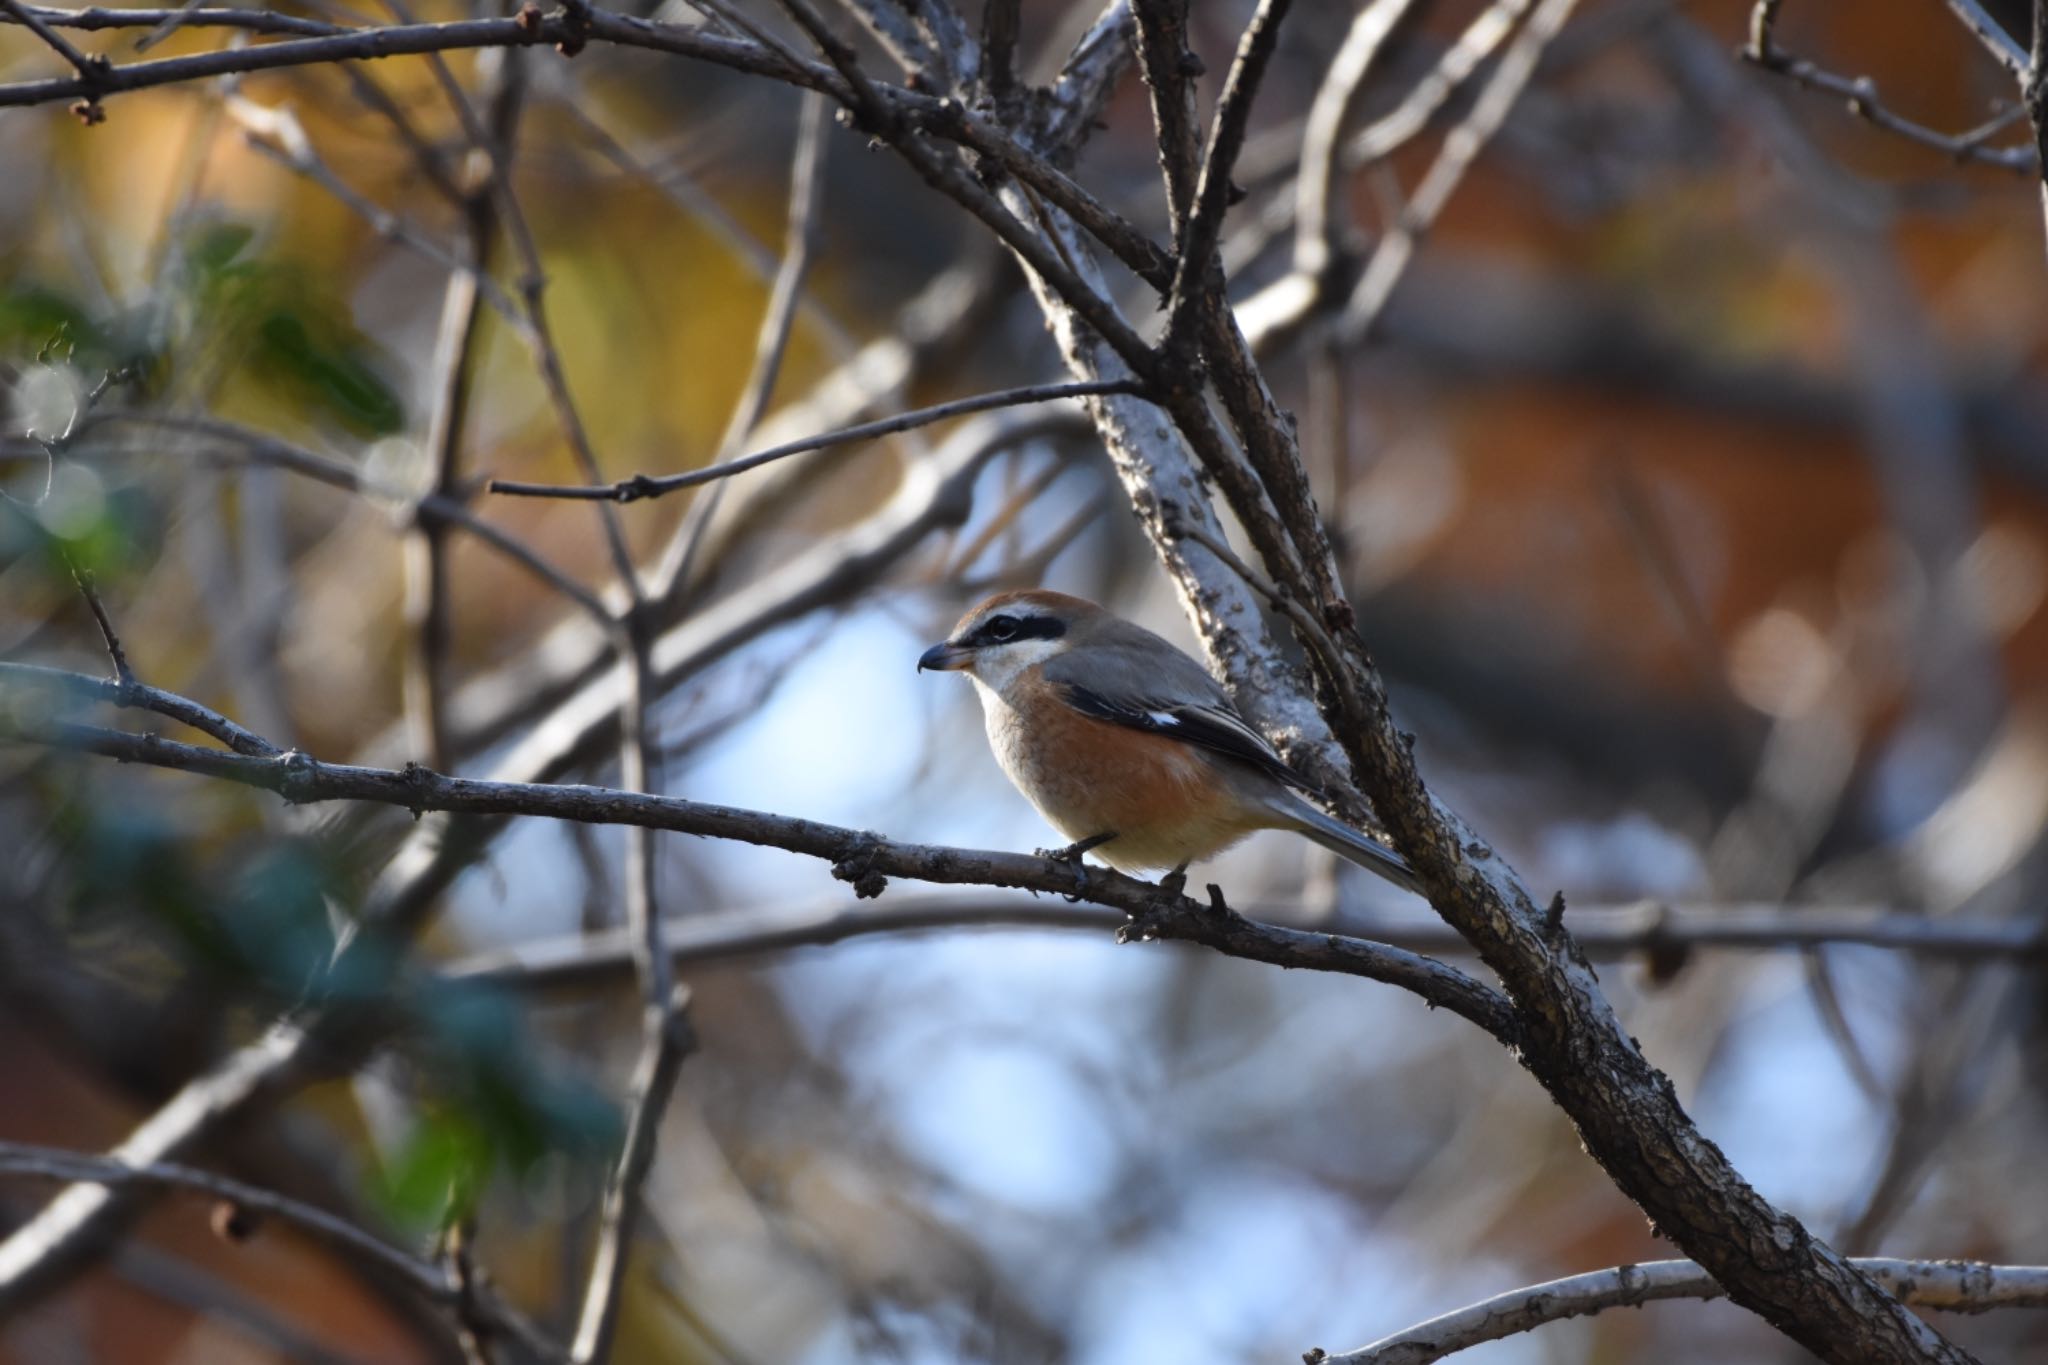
pixel 1125 744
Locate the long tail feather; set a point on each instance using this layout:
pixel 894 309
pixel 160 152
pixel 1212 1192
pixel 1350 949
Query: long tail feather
pixel 1346 842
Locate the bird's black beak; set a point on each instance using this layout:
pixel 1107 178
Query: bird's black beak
pixel 945 658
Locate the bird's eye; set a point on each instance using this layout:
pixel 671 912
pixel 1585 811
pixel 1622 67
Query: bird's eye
pixel 1001 628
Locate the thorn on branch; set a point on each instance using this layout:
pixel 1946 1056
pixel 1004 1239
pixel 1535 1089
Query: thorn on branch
pixel 233 1222
pixel 528 20
pixel 1553 917
pixel 421 778
pixel 1664 954
pixel 857 869
pixel 575 17
pixel 297 769
pixel 90 111
pixel 1219 907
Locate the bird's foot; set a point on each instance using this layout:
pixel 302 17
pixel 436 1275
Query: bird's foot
pixel 1071 855
pixel 1072 852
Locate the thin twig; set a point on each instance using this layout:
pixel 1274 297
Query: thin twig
pixel 896 123
pixel 1139 253
pixel 1407 120
pixel 682 190
pixel 778 320
pixel 858 856
pixel 1303 619
pixel 999 48
pixel 799 248
pixel 1957 1286
pixel 312 45
pixel 2034 98
pixel 536 330
pixel 665 1040
pixel 89 590
pixel 139 696
pixel 54 1243
pixel 1606 933
pixel 1389 260
pixel 1988 31
pixel 645 486
pixel 23 1159
pixel 96 19
pixel 1197 279
pixel 1318 206
pixel 1014 505
pixel 254 447
pixel 428 606
pixel 1169 69
pixel 665 1034
pixel 1860 95
pixel 277 133
pixel 88 68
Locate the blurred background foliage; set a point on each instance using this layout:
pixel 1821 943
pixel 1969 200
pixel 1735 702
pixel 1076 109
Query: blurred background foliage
pixel 1692 494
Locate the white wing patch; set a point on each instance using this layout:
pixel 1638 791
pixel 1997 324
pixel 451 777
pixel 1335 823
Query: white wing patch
pixel 1163 717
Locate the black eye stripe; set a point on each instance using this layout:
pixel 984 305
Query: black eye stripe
pixel 1003 630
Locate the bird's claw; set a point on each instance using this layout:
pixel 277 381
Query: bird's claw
pixel 1072 852
pixel 1071 856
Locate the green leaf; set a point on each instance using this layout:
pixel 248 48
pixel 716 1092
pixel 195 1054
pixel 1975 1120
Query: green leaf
pixel 327 365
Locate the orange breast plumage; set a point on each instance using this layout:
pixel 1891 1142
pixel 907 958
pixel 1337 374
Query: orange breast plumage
pixel 1165 800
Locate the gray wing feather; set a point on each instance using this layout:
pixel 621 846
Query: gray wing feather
pixel 1129 676
pixel 1147 684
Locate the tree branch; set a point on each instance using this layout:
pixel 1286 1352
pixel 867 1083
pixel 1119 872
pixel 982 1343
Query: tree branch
pixel 1606 933
pixel 860 857
pixel 1860 95
pixel 1955 1286
pixel 1389 260
pixel 1992 35
pixel 477 1304
pixel 937 493
pixel 1170 69
pixel 643 486
pixel 1198 277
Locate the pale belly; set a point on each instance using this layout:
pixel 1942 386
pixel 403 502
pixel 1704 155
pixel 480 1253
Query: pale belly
pixel 1088 777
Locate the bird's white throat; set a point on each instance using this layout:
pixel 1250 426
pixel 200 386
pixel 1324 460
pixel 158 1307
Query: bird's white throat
pixel 996 667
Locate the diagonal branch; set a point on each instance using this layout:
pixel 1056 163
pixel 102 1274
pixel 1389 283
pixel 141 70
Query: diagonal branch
pixel 937 493
pixel 1992 35
pixel 1170 70
pixel 428 606
pixel 644 486
pixel 478 1305
pixel 1956 1286
pixel 1318 203
pixel 1198 277
pixel 858 856
pixel 1389 260
pixel 1859 94
pixel 1607 934
pixel 88 68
